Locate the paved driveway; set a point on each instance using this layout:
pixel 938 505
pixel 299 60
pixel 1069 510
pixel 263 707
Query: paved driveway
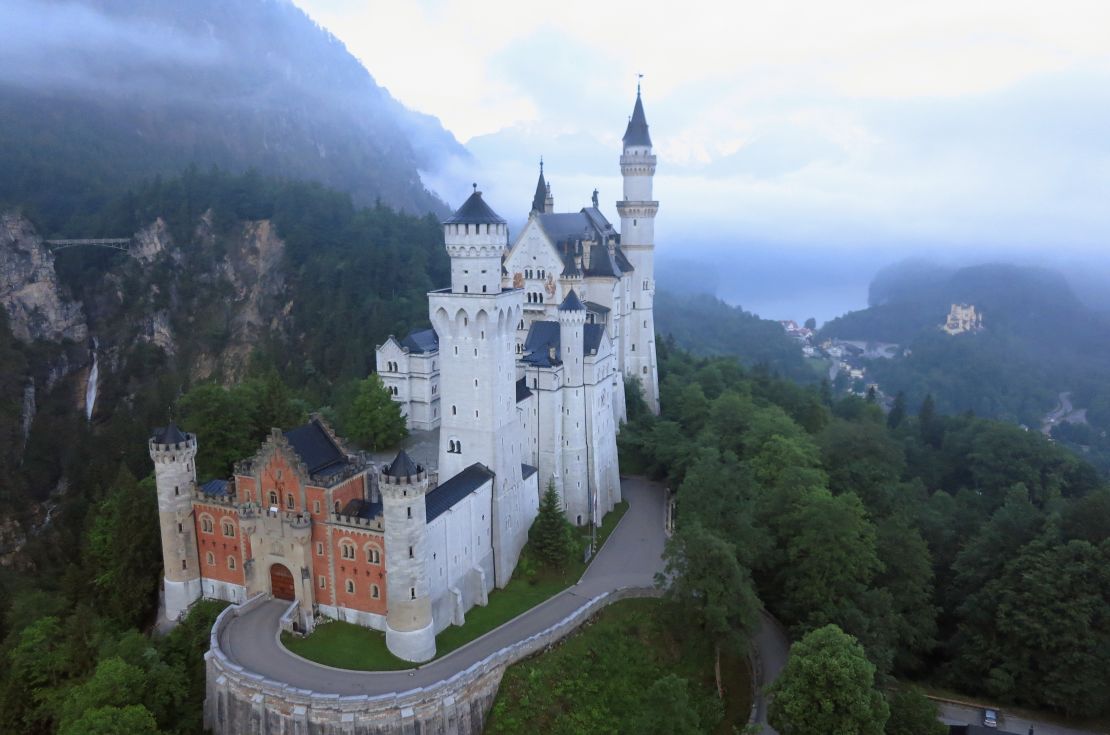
pixel 630 558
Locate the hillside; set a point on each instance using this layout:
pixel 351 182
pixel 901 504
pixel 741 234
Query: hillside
pixel 255 277
pixel 97 95
pixel 1038 341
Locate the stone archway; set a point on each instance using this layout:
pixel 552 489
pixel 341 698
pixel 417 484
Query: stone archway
pixel 281 583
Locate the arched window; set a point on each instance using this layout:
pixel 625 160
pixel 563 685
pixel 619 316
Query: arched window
pixel 350 586
pixel 289 501
pixel 206 524
pixel 229 529
pixel 372 554
pixel 337 506
pixel 347 550
pixel 210 558
pixel 375 593
pixel 273 498
pixel 231 562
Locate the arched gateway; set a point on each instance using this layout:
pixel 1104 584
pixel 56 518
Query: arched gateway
pixel 281 583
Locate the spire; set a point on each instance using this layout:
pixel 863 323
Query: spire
pixel 541 192
pixel 636 134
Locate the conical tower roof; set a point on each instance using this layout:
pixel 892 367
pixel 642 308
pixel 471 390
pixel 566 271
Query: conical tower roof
pixel 169 435
pixel 572 303
pixel 636 134
pixel 474 211
pixel 403 466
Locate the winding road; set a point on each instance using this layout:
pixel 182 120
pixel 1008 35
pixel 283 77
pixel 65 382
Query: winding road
pixel 630 558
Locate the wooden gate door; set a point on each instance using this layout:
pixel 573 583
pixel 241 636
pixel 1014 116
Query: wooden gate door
pixel 281 583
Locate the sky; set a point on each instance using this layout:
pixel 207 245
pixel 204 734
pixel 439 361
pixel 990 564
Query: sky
pixel 855 124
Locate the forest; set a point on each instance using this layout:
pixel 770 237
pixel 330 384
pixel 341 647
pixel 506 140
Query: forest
pixel 958 551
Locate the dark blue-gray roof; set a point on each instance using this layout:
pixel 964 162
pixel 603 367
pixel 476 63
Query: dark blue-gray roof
pixel 572 302
pixel 474 211
pixel 403 466
pixel 169 435
pixel 539 201
pixel 444 497
pixel 420 342
pixel 637 131
pixel 216 488
pixel 522 390
pixel 543 338
pixel 361 508
pixel 316 449
pixel 596 307
pixel 527 470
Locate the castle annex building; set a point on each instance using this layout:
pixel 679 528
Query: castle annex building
pixel 523 375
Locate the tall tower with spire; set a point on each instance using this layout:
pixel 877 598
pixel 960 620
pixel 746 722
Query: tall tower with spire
pixel 543 202
pixel 637 212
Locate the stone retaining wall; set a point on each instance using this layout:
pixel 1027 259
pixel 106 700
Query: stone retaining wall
pixel 241 702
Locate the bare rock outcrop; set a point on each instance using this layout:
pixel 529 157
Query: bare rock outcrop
pixel 29 289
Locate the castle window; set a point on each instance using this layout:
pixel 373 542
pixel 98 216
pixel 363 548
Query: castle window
pixel 410 552
pixel 633 346
pixel 180 529
pixel 315 506
pixel 183 565
pixel 454 410
pixel 337 506
pixel 231 562
pixel 319 548
pixel 375 592
pixel 412 593
pixel 483 289
pixel 273 498
pixel 466 289
pixel 229 529
pixel 347 550
pixel 373 555
pixel 645 369
pixel 210 558
pixel 289 501
pixel 408 511
pixel 323 581
pixel 206 524
pixel 350 586
pixel 176 491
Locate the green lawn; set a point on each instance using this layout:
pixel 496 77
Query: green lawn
pixel 349 646
pixel 597 680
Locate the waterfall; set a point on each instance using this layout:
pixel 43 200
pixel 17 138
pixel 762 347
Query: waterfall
pixel 90 389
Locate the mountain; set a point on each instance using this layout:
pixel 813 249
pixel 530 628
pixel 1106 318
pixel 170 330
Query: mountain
pixel 1038 341
pixel 96 95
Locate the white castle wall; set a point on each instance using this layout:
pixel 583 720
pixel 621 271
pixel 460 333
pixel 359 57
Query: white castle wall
pixel 460 557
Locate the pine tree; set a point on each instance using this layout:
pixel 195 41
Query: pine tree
pixel 550 534
pixel 898 412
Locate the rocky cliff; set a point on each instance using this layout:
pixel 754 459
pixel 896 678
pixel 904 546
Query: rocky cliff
pixel 37 306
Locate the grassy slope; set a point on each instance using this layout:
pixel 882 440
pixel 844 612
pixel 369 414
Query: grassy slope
pixel 595 681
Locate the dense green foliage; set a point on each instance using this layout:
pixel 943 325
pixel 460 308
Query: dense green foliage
pixel 828 686
pixel 707 326
pixel 912 713
pixel 1038 341
pixel 551 535
pixel 929 541
pixel 627 672
pixel 371 418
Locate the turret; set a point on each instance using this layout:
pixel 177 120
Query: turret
pixel 476 238
pixel 174 453
pixel 409 631
pixel 637 211
pixel 576 458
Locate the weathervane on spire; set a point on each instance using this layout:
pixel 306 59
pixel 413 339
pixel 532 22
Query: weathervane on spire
pixel 541 164
pixel 638 78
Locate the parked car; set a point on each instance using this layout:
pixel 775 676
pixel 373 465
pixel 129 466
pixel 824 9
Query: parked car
pixel 990 718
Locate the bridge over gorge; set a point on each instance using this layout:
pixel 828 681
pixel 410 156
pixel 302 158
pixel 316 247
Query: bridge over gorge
pixel 122 244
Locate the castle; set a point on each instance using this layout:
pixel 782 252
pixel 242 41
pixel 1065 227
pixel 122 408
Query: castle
pixel 963 318
pixel 523 375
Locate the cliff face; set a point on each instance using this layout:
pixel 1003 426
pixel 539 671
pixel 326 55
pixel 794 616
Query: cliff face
pixel 29 288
